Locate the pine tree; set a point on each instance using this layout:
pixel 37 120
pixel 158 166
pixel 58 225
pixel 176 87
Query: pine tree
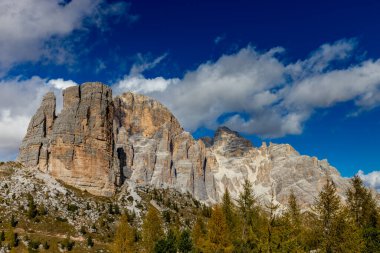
pixel 327 207
pixel 292 226
pixel 185 244
pixel 90 242
pixel 251 222
pixel 124 240
pixel 152 230
pixel 2 236
pixel 335 231
pixel 218 237
pixel 46 245
pixel 32 208
pixel 272 220
pixel 229 212
pixel 360 202
pixel 347 235
pixel 12 238
pixel 167 245
pixel 362 209
pixel 294 211
pixel 13 222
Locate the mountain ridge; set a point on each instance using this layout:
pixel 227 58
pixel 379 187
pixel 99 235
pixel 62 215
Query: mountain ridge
pixel 99 143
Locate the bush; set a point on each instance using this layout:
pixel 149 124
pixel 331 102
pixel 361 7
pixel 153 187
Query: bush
pixel 67 244
pixel 166 215
pixel 34 245
pixel 116 209
pixel 72 207
pixel 46 245
pixel 42 210
pixel 32 208
pixel 13 221
pixel 13 239
pixel 83 230
pixel 90 242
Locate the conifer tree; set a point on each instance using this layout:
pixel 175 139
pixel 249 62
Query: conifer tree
pixel 362 209
pixel 217 237
pixel 251 222
pixel 152 229
pixel 347 235
pixel 327 207
pixel 124 240
pixel 246 203
pixel 360 202
pixel 292 231
pixel 32 208
pixel 198 234
pixel 185 244
pixel 229 211
pixel 272 220
pixel 167 245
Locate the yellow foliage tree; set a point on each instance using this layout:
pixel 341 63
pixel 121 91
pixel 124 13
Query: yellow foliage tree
pixel 218 239
pixel 198 234
pixel 152 230
pixel 124 241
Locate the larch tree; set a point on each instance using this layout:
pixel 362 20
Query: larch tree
pixel 249 213
pixel 218 237
pixel 152 229
pixel 292 232
pixel 124 240
pixel 198 234
pixel 272 225
pixel 337 232
pixel 362 208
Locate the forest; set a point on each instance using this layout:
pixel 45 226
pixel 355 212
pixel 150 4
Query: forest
pixel 245 225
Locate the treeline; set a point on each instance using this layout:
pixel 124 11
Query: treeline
pixel 330 226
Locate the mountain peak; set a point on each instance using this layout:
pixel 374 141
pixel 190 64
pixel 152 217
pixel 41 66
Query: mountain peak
pixel 99 143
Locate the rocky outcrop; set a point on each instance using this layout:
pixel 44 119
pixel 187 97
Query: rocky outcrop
pixel 99 143
pixel 75 146
pixel 34 148
pixel 152 148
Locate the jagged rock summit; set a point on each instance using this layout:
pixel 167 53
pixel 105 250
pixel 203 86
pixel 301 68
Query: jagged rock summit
pixel 98 143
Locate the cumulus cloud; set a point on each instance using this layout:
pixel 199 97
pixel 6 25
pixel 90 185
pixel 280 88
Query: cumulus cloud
pixel 30 30
pixel 19 99
pixel 371 179
pixel 262 94
pixel 135 81
pixel 61 84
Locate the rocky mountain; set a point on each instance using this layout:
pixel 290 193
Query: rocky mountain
pixel 100 143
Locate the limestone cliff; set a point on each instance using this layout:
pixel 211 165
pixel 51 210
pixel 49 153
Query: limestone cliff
pixel 99 143
pixel 76 145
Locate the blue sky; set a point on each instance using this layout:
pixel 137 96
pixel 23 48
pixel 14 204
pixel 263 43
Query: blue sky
pixel 300 72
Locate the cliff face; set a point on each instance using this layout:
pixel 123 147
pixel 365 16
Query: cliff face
pixel 98 144
pixel 76 145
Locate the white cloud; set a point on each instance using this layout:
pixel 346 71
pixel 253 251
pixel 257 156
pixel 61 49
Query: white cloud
pixel 19 100
pixel 141 84
pixel 31 30
pixel 270 98
pixel 136 82
pixel 262 94
pixel 371 179
pixel 61 84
